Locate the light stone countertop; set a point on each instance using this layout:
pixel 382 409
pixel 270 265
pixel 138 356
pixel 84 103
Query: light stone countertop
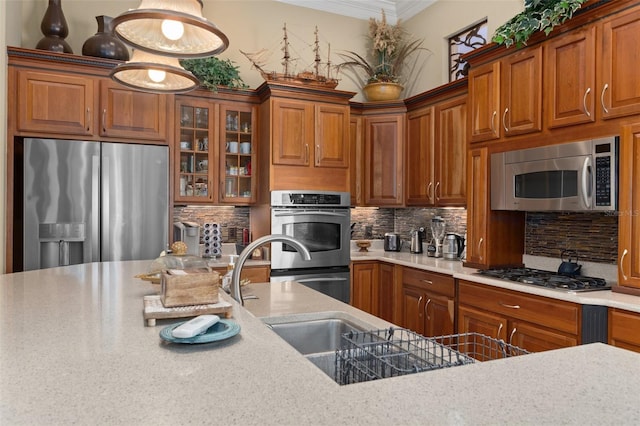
pixel 455 268
pixel 74 350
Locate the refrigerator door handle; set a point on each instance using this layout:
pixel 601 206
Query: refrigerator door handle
pixel 105 232
pixel 95 210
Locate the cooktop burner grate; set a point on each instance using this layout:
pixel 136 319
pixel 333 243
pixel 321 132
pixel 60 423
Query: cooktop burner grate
pixel 548 279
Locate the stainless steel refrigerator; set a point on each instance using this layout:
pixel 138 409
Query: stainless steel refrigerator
pixel 92 201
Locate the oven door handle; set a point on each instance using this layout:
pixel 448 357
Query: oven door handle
pixel 310 280
pixel 307 212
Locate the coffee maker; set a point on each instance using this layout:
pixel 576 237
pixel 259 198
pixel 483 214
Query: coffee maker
pixel 189 232
pixel 417 235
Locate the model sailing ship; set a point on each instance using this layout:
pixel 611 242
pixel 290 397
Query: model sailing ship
pixel 308 78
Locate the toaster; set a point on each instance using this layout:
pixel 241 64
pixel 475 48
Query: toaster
pixel 392 241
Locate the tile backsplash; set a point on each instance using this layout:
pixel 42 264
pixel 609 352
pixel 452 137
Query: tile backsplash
pixel 594 236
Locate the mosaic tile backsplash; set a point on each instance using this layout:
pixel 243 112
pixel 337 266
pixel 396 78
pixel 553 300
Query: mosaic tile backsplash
pixel 594 236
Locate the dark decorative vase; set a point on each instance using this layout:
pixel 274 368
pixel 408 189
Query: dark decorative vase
pixel 104 44
pixel 54 27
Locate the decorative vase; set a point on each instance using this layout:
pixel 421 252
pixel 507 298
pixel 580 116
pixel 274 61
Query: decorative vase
pixel 54 27
pixel 104 44
pixel 382 91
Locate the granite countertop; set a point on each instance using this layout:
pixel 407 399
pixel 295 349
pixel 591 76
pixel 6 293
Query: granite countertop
pixel 455 269
pixel 74 349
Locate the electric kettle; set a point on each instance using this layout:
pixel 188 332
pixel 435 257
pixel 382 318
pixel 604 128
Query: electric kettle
pixel 392 242
pixel 416 240
pixel 452 246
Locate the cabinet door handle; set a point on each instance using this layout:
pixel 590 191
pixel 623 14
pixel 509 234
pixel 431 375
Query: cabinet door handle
pixel 429 193
pixel 104 120
pixel 624 253
pixel 584 102
pixel 604 89
pixel 504 120
pixel 511 336
pixel 436 192
pixel 493 121
pixel 480 243
pixel 427 282
pixel 499 330
pixel 317 155
pixel 426 312
pixel 88 119
pixel 419 302
pixel 509 306
pixel 306 153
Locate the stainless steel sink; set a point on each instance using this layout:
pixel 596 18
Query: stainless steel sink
pixel 314 336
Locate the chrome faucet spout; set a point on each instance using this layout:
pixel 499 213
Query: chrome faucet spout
pixel 236 292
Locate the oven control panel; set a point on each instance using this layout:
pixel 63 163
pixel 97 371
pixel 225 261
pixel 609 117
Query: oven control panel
pixel 310 198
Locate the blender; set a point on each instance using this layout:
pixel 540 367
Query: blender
pixel 437 231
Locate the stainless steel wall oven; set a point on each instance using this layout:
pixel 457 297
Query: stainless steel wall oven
pixel 321 221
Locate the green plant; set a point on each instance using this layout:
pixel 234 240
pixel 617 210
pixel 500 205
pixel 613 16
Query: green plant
pixel 213 72
pixel 538 15
pixel 387 55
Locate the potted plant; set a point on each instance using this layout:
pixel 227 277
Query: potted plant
pixel 213 72
pixel 538 15
pixel 388 53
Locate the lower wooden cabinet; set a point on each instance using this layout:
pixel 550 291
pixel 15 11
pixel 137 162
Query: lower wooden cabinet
pixel 372 286
pixel 624 329
pixel 255 274
pixel 427 302
pixel 530 322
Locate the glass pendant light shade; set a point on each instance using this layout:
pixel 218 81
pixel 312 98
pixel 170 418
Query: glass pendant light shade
pixel 154 73
pixel 170 28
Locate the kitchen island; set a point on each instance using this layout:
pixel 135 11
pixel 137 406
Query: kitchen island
pixel 74 349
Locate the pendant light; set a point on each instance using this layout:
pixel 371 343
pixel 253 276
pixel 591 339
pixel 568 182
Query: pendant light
pixel 170 28
pixel 154 73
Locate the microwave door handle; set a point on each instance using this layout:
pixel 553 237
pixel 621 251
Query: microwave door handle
pixel 587 188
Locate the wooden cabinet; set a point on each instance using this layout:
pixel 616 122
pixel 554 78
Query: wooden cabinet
pixel 356 160
pixel 629 211
pixel 624 329
pixel 427 302
pixel 237 154
pixel 620 83
pixel 254 273
pixel 195 154
pixel 304 138
pixel 515 317
pixel 451 152
pixel 419 182
pixel 365 286
pixel 126 113
pixel 386 289
pixel 505 97
pixel 570 80
pixel 383 160
pixel 73 104
pixel 57 103
pixel 494 237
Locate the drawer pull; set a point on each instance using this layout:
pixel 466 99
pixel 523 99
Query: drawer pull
pixel 427 281
pixel 509 306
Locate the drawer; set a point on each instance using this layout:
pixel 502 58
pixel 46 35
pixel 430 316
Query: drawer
pixel 556 314
pixel 624 326
pixel 432 281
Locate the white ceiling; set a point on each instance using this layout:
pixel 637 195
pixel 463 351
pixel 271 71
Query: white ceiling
pixel 365 9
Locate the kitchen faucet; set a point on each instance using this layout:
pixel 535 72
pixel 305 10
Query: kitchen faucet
pixel 236 293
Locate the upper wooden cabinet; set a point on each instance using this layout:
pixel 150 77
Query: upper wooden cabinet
pixel 494 237
pixel 384 159
pixel 505 97
pixel 570 80
pixel 126 113
pixel 420 157
pixel 356 159
pixel 629 208
pixel 304 138
pixel 620 82
pixel 50 102
pixel 451 152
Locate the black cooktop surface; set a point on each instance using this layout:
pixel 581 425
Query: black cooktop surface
pixel 548 279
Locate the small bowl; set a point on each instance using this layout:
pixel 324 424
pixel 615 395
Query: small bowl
pixel 363 244
pixel 185 145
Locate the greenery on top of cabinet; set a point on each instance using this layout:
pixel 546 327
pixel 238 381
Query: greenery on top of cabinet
pixel 538 15
pixel 213 72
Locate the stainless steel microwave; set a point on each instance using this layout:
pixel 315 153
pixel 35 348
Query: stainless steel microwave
pixel 577 176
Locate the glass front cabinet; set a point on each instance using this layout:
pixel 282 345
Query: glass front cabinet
pixel 195 153
pixel 237 154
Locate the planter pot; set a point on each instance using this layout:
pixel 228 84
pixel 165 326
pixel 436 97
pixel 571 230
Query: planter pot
pixel 382 91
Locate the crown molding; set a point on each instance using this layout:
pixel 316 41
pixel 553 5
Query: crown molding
pixel 365 9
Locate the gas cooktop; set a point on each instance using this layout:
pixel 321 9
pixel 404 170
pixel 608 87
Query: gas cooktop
pixel 548 279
